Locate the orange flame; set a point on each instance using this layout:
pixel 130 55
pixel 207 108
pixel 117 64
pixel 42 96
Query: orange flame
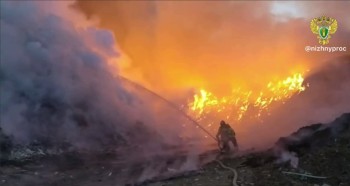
pixel 236 105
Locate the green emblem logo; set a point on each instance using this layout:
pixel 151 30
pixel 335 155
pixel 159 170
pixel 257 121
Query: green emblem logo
pixel 323 32
pixel 323 27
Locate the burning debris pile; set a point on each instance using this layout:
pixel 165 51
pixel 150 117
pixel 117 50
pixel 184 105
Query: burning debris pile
pixel 62 96
pixel 244 103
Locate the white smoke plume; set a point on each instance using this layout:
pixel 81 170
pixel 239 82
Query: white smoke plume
pixel 51 78
pixel 57 86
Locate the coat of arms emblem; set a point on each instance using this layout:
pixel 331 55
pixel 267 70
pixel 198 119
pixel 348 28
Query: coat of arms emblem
pixel 323 27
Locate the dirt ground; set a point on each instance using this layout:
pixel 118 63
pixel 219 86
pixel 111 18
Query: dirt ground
pixel 332 161
pixel 321 155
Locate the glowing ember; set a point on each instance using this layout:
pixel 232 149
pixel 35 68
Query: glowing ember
pixel 240 102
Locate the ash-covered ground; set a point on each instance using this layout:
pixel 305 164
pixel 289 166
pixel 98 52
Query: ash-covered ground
pixel 324 153
pixel 319 150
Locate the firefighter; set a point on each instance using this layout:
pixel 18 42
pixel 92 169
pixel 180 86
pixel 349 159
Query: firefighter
pixel 225 136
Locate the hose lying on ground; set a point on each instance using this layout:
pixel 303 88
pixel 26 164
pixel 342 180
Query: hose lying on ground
pixel 306 175
pixel 235 174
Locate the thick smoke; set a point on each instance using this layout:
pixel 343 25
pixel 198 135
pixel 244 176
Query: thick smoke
pixel 51 79
pixel 222 45
pixel 215 45
pixel 57 86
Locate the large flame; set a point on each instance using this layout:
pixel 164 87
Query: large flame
pixel 240 102
pixel 238 74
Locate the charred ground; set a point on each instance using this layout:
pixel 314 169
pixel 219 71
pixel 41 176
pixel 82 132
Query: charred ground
pixel 324 152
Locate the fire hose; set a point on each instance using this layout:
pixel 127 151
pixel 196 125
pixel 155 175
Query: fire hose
pixel 235 174
pixel 170 104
